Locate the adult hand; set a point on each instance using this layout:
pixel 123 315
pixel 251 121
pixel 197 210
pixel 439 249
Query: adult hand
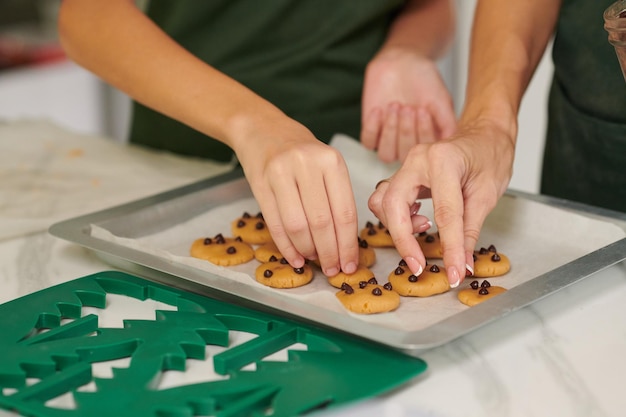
pixel 303 188
pixel 465 175
pixel 405 102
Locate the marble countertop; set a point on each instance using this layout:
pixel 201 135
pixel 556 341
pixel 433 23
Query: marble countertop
pixel 564 355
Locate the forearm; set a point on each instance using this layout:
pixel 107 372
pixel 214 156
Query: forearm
pixel 423 26
pixel 116 41
pixel 508 41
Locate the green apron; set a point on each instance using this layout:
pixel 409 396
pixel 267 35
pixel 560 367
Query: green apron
pixel 585 154
pixel 306 56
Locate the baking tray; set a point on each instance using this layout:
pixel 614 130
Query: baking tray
pixel 552 244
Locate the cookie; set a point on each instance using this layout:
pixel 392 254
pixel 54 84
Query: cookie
pixel 489 263
pixel 477 293
pixel 277 273
pixel 361 274
pixel 367 254
pixel 220 250
pixel 430 244
pixel 369 298
pixel 251 229
pixel 264 252
pixel 376 235
pixel 431 282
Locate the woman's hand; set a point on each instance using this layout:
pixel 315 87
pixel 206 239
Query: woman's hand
pixel 465 175
pixel 303 188
pixel 405 102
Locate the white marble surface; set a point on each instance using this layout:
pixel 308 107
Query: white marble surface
pixel 562 356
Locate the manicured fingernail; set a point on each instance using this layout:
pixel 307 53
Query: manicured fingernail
pixel 350 268
pixel 469 271
pixel 331 272
pixel 424 227
pixel 453 277
pixel 414 266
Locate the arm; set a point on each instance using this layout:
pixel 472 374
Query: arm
pixel 405 100
pixel 467 173
pixel 115 40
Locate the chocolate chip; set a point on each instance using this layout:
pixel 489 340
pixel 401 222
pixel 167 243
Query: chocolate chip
pixel 273 258
pixel 259 226
pixel 363 243
pixel 474 285
pixel 371 231
pixel 377 291
pixel 402 263
pixel 492 248
pixel 241 223
pixel 485 284
pixel 347 288
pixel 207 241
pixel 388 286
pixel 387 231
pixel 495 257
pixel 246 215
pixel 220 239
pixel 423 234
pixel 430 239
pixel 475 257
pixel 399 271
pixel 381 225
pixel 267 273
pixel 283 261
pixel 372 280
pixel 434 268
pixel 259 215
pixel 369 225
pixel 362 284
pixel 483 251
pixel 298 271
pixel 239 239
pixel 412 278
pixel 483 291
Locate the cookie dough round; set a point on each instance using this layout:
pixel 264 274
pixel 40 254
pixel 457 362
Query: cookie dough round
pixel 362 273
pixel 369 298
pixel 264 252
pixel 376 235
pixel 430 245
pixel 489 263
pixel 477 293
pixel 220 250
pixel 367 254
pixel 277 273
pixel 431 282
pixel 251 229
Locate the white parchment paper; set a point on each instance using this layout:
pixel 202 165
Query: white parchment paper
pixel 536 237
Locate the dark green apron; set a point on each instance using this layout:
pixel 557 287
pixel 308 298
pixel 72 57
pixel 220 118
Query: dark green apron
pixel 585 154
pixel 305 56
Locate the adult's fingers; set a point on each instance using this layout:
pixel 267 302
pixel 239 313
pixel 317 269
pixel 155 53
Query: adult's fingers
pixel 387 145
pixel 425 127
pixel 370 128
pixel 407 133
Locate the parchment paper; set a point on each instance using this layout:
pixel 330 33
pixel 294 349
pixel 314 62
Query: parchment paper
pixel 536 237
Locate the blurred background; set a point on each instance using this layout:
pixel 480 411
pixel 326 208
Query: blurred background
pixel 37 82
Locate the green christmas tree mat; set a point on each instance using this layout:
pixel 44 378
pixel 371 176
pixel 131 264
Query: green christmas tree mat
pixel 45 338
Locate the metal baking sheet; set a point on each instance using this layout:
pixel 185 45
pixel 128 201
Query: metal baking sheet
pixel 150 237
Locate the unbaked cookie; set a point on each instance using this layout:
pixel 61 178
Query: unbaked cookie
pixel 264 252
pixel 477 293
pixel 376 235
pixel 367 254
pixel 489 263
pixel 369 298
pixel 220 250
pixel 277 273
pixel 431 282
pixel 430 244
pixel 251 229
pixel 361 274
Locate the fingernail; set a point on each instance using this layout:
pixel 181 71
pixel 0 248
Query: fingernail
pixel 331 272
pixel 469 271
pixel 350 268
pixel 453 277
pixel 424 227
pixel 414 266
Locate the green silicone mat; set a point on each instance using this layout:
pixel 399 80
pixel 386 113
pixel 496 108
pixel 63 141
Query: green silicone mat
pixel 49 348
